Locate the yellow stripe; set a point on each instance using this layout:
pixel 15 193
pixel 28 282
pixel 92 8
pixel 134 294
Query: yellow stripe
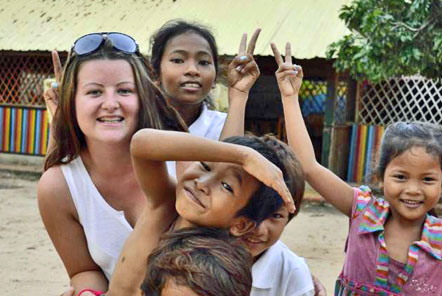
pixel 362 150
pixel 31 132
pixel 44 133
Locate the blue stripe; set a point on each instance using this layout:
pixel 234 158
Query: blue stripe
pixel 37 131
pixel 23 131
pixel 369 150
pixel 352 153
pixel 12 129
pixel 24 139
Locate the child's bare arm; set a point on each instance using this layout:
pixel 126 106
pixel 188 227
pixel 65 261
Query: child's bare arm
pixel 131 265
pixel 330 186
pixel 241 76
pixel 151 148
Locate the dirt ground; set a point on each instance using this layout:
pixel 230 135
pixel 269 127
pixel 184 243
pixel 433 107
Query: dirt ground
pixel 30 265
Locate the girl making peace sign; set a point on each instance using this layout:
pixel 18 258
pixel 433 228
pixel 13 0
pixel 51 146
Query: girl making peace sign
pixel 394 244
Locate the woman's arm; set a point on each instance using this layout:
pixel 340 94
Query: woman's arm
pixel 330 186
pixel 151 148
pixel 241 76
pixel 61 222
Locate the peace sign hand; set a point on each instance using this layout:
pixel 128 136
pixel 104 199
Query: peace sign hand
pixel 289 76
pixel 51 95
pixel 243 70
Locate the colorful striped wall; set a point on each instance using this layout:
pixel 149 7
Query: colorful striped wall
pixel 365 141
pixel 23 130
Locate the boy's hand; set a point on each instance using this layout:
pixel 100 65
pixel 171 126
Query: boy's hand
pixel 289 76
pixel 269 174
pixel 51 95
pixel 243 70
pixel 319 287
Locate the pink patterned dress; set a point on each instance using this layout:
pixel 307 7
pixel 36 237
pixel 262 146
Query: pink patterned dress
pixel 368 270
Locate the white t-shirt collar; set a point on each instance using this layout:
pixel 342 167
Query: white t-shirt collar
pixel 266 269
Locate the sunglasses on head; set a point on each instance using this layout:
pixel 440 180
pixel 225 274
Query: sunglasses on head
pixel 90 43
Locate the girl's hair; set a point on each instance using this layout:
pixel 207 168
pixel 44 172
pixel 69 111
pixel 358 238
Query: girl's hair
pixel 207 260
pixel 153 113
pixel 161 38
pixel 265 201
pixel 402 136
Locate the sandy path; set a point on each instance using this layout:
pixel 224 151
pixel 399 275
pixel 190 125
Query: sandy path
pixel 30 265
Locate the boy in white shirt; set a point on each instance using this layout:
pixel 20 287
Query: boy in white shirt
pixel 277 271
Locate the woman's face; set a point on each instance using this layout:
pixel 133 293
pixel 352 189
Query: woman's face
pixel 187 69
pixel 106 101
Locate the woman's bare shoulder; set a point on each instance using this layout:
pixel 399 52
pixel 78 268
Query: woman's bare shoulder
pixel 53 190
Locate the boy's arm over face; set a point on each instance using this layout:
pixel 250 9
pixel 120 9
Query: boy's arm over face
pixel 150 148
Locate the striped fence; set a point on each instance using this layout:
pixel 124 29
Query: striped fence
pixel 365 141
pixel 23 130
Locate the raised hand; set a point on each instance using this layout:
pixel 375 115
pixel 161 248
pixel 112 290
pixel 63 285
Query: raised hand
pixel 269 174
pixel 243 70
pixel 51 94
pixel 289 76
pixel 319 287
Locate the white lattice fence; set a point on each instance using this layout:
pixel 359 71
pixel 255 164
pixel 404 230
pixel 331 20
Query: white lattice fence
pixel 401 99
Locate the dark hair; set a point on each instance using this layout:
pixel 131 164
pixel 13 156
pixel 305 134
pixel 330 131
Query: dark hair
pixel 207 260
pixel 294 178
pixel 69 139
pixel 265 201
pixel 171 29
pixel 402 136
pixel 161 38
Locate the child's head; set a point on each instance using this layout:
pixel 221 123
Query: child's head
pixel 269 231
pixel 198 261
pixel 184 60
pixel 401 136
pixel 410 167
pixel 115 53
pixel 227 196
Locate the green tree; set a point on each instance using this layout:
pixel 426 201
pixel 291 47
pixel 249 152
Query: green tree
pixel 390 38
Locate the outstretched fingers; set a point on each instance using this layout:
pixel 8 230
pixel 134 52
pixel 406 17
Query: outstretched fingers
pixel 243 44
pixel 276 53
pixel 57 65
pixel 288 53
pixel 252 43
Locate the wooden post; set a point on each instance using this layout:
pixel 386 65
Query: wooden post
pixel 352 91
pixel 329 115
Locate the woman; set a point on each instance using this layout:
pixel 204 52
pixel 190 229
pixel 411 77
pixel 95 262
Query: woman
pixel 88 196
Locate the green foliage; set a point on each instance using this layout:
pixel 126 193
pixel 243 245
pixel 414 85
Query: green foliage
pixel 390 38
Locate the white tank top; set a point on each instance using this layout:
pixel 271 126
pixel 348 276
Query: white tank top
pixel 106 229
